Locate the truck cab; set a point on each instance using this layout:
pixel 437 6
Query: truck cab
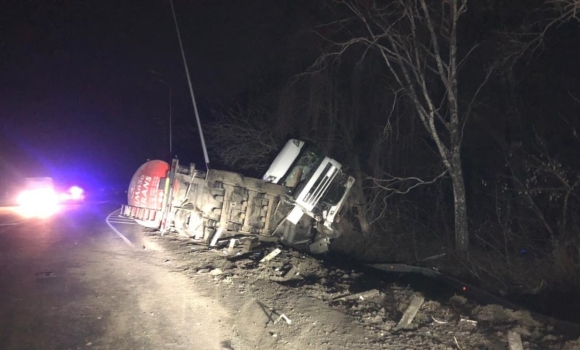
pixel 315 181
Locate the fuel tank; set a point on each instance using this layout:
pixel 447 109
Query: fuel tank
pixel 147 189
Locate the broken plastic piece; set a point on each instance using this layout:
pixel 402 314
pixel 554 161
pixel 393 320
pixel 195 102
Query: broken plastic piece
pixel 232 245
pixel 272 255
pixel 410 313
pixel 514 341
pixel 360 296
pixel 216 236
pixel 288 321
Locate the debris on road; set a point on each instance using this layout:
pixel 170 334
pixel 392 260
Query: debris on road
pixel 438 321
pixel 514 341
pixel 465 321
pixel 282 316
pixel 271 256
pixel 216 236
pixel 457 343
pixel 216 272
pixel 232 245
pixel 359 296
pixel 409 315
pixel 291 274
pixel 382 310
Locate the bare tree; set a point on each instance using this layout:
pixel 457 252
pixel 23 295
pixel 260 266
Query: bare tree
pixel 417 42
pixel 547 186
pixel 241 137
pixel 565 10
pixel 529 38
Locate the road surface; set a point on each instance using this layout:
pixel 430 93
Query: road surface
pixel 72 282
pixel 88 279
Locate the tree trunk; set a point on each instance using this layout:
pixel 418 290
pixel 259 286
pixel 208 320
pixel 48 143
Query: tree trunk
pixel 361 208
pixel 460 203
pixel 359 198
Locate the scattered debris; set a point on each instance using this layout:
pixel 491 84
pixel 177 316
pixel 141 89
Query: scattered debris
pixel 271 256
pixel 216 272
pixel 282 316
pixel 453 323
pixel 216 236
pixel 514 341
pixel 437 321
pixel 457 343
pixel 409 315
pixel 291 274
pixel 359 296
pixel 248 245
pixel 467 322
pixel 232 245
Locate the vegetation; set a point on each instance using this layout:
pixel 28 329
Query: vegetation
pixel 457 118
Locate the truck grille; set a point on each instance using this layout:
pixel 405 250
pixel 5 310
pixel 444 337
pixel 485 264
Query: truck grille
pixel 321 185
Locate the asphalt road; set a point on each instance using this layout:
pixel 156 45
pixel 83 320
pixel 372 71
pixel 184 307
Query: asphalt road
pixel 72 282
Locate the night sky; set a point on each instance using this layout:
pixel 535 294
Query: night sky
pixel 80 92
pixel 80 96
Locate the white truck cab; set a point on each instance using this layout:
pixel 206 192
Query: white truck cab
pixel 316 182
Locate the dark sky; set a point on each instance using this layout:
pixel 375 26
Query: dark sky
pixel 78 100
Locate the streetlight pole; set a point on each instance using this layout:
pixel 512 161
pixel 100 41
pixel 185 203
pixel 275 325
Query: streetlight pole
pixel 202 139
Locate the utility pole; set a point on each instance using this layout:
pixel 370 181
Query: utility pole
pixel 203 146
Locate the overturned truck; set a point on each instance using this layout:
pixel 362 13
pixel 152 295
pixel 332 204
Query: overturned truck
pixel 297 201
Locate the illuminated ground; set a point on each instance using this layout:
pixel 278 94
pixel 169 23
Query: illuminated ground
pixel 69 282
pixel 74 281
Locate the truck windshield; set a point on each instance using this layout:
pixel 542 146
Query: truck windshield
pixel 303 168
